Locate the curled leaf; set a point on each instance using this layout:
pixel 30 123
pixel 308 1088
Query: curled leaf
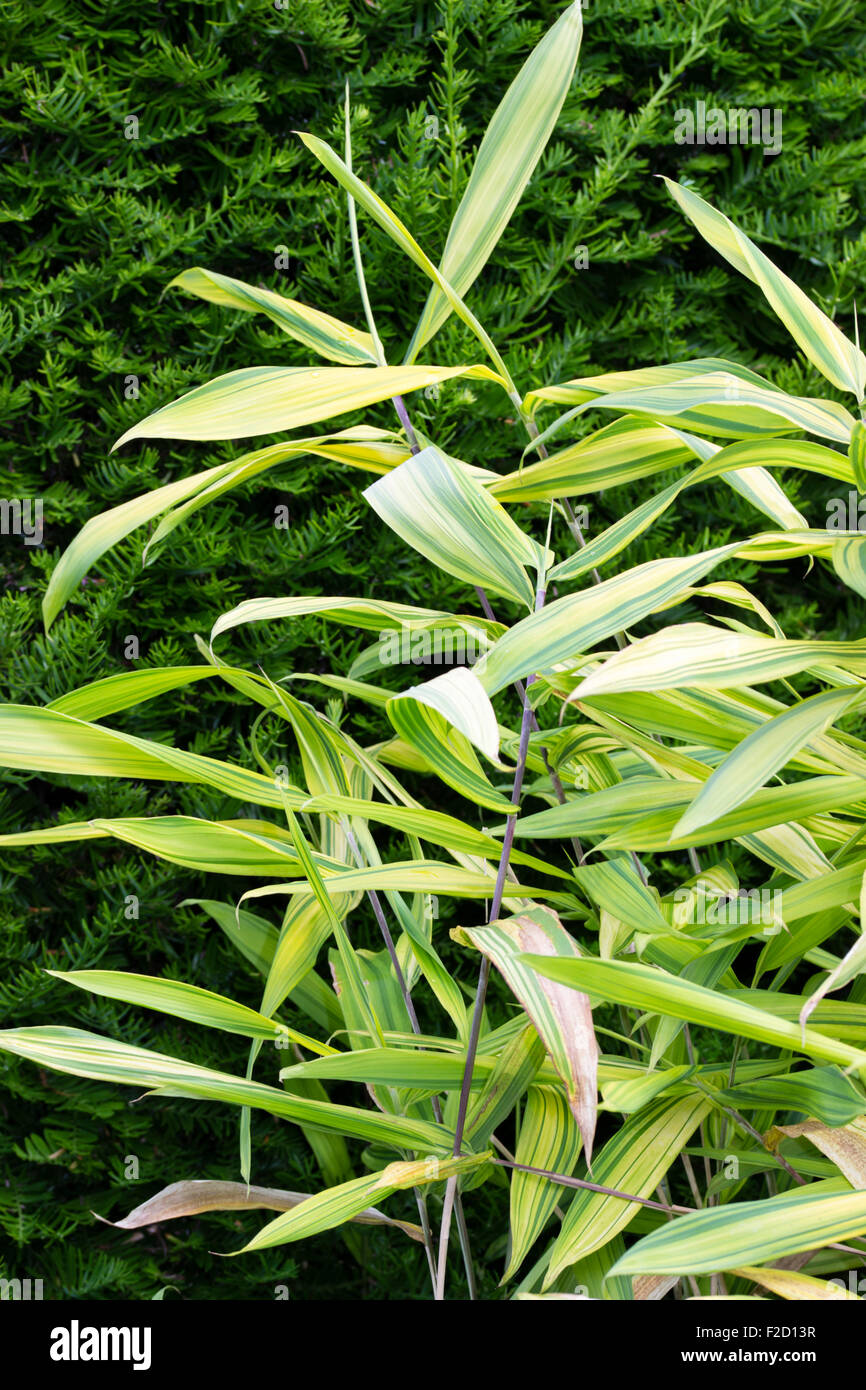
pixel 199 1195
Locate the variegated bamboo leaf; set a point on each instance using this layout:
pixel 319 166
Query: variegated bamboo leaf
pixel 564 1023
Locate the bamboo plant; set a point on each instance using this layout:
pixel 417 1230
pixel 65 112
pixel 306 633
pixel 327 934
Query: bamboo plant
pixel 651 843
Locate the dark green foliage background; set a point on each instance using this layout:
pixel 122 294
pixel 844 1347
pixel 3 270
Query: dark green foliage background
pixel 95 225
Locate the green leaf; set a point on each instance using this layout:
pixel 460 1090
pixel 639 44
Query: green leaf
pixel 569 626
pixel 633 1161
pixel 102 1059
pixel 623 451
pixel 268 400
pixel 824 344
pixel 857 454
pixel 549 1138
pixel 463 702
pixel 335 1205
pixel 616 886
pixel 373 615
pixel 434 826
pixel 849 562
pixel 853 963
pixel 43 740
pixel 754 761
pixel 192 1197
pixel 362 447
pixel 393 1066
pixel 746 1233
pixel 512 146
pixel 402 237
pixel 245 847
pixel 719 403
pixel 255 937
pixel 407 876
pixel 181 1000
pixel 824 1092
pixel 324 334
pixel 436 506
pixel 698 654
pixel 514 1070
pixel 655 991
pixel 355 993
pixel 426 717
pixel 563 1021
pixel 130 688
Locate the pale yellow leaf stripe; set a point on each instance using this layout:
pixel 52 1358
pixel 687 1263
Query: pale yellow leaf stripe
pixel 580 389
pixel 411 876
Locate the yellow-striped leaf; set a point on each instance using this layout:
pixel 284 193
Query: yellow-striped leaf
pixel 43 740
pixel 793 1285
pixel 754 761
pixel 698 654
pixel 102 1059
pixel 633 1161
pixel 549 1138
pixel 857 455
pixel 748 1233
pixel 437 507
pixel 181 1000
pixel 324 334
pixel 512 146
pixel 268 400
pixel 825 345
pixel 335 1205
pixel 656 991
pixel 563 1021
pixel 197 1195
